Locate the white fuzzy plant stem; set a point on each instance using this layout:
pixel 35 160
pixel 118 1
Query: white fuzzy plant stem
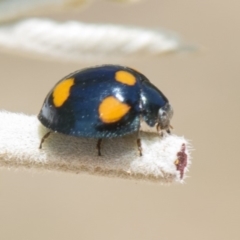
pixel 164 160
pixel 77 41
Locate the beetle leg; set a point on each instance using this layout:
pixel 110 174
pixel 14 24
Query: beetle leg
pixel 44 138
pixel 139 144
pixel 169 131
pixel 159 130
pixel 99 146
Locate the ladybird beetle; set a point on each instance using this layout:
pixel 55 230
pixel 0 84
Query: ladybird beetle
pixel 104 102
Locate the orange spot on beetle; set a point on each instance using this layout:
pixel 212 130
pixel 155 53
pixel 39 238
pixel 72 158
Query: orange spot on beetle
pixel 61 92
pixel 112 110
pixel 125 77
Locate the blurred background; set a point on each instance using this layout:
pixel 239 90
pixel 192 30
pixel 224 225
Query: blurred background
pixel 203 87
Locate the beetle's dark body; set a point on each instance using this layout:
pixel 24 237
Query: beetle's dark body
pixel 79 112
